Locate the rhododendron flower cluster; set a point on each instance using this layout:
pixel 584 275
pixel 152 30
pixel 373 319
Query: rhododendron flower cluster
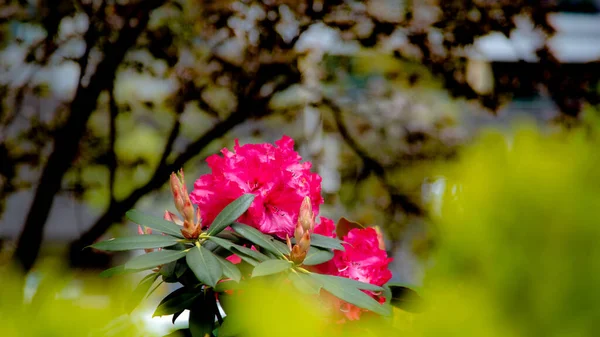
pixel 280 182
pixel 256 215
pixel 274 174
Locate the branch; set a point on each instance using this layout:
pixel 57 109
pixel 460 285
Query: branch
pixel 66 142
pixel 112 139
pixel 117 209
pixel 370 164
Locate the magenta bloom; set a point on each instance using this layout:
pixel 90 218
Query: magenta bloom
pixel 326 227
pixel 362 259
pixel 273 173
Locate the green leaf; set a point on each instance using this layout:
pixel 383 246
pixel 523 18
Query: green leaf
pixel 205 265
pixel 318 240
pixel 349 282
pixel 158 224
pixel 118 270
pixel 154 259
pixel 136 242
pixel 351 294
pixel 154 288
pixel 305 283
pixel 141 290
pixel 271 267
pixel 246 254
pixel 202 315
pixel 230 213
pixel 317 256
pixel 404 298
pixel 179 300
pixel 230 270
pixel 180 269
pixel 258 238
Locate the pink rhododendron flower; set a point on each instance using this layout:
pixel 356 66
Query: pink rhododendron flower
pixel 326 227
pixel 362 260
pixel 273 173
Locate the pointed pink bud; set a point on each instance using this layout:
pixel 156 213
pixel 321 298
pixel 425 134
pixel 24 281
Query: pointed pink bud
pixel 306 217
pixel 304 242
pixel 198 219
pixel 288 242
pixel 188 209
pixel 190 230
pixel 176 190
pixel 144 230
pixel 298 232
pixel 297 255
pixel 173 218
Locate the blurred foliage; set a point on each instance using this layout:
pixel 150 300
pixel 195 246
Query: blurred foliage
pixel 55 302
pixel 518 237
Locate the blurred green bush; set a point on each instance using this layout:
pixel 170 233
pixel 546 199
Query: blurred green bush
pixel 53 302
pixel 517 247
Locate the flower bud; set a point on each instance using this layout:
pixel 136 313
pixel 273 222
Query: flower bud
pixel 297 255
pixel 304 243
pixel 172 218
pixel 176 189
pixel 298 232
pixel 306 218
pixel 199 219
pixel 190 230
pixel 288 242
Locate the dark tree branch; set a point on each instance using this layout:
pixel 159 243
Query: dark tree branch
pixel 112 139
pixel 66 142
pixel 370 164
pixel 116 209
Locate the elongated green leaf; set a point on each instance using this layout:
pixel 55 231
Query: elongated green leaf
pixel 348 282
pixel 177 301
pixel 305 283
pixel 141 290
pixel 230 270
pixel 154 288
pixel 205 265
pixel 118 270
pixel 317 256
pixel 136 242
pixel 246 254
pixel 230 213
pixel 351 294
pixel 158 224
pixel 255 236
pixel 325 242
pixel 271 267
pixel 180 268
pixel 154 259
